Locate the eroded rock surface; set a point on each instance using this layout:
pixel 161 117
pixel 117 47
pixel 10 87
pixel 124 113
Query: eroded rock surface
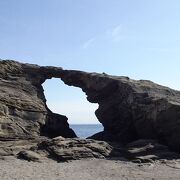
pixel 59 149
pixel 128 109
pixel 23 110
pixel 63 149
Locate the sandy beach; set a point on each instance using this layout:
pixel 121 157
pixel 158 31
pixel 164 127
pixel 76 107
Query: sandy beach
pixel 15 169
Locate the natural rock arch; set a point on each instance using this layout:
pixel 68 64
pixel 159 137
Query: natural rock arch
pixel 128 109
pixel 71 102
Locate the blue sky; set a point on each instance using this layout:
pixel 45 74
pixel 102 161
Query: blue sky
pixel 139 39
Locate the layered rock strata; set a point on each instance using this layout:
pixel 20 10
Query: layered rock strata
pixel 23 109
pixel 128 109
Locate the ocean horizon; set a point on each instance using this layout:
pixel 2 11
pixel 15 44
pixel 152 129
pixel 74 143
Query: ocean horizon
pixel 86 130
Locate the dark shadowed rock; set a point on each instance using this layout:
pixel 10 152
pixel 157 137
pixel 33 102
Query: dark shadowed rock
pixel 148 150
pixel 128 109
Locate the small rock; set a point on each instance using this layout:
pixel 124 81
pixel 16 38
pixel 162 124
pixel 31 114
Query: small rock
pixel 29 156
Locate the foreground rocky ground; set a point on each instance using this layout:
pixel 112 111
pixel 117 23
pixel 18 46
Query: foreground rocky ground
pixel 78 159
pixel 64 149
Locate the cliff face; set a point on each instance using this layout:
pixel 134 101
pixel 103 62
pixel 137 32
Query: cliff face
pixel 23 110
pixel 128 109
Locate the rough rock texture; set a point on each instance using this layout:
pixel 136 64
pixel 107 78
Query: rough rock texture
pixel 23 110
pixel 128 109
pixel 131 109
pixel 64 149
pixel 144 151
pixel 59 149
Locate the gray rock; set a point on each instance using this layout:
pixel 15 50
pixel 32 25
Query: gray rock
pixel 128 109
pixel 64 149
pixel 29 156
pixel 59 149
pixel 148 150
pixel 23 109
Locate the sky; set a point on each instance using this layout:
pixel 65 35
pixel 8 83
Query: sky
pixel 139 39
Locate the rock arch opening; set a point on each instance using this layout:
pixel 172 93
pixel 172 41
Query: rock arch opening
pixel 71 102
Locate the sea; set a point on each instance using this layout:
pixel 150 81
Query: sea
pixel 86 130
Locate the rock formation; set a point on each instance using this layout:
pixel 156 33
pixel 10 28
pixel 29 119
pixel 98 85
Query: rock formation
pixel 63 149
pixel 23 109
pixel 128 109
pixel 131 109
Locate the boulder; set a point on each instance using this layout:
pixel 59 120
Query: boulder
pixel 64 149
pixel 29 156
